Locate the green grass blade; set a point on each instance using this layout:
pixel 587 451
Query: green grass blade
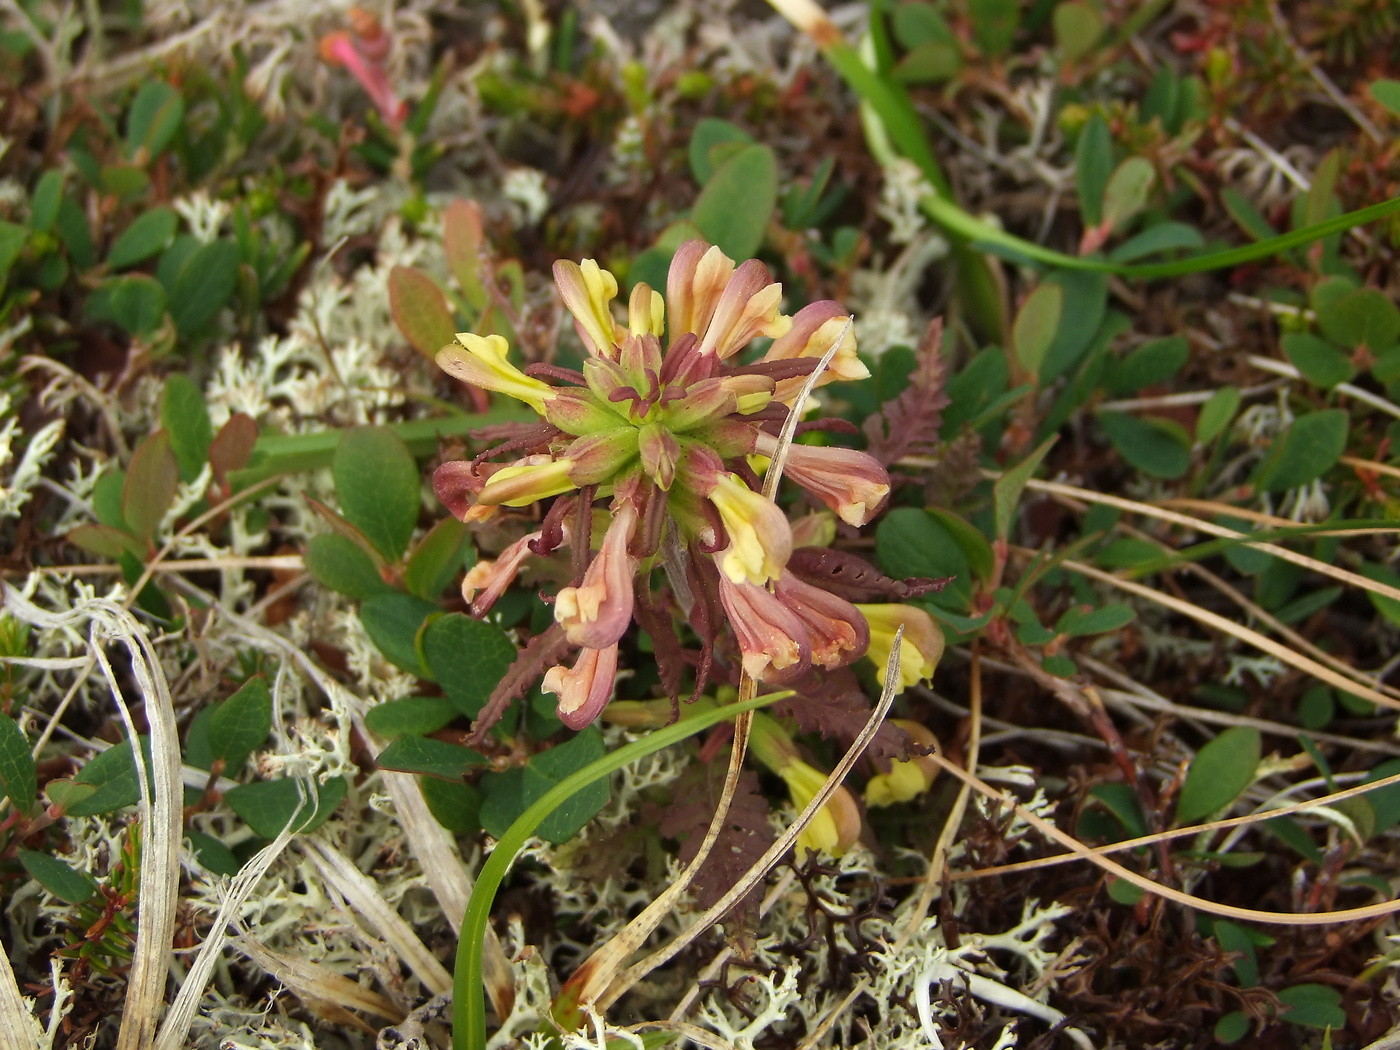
pixel 468 981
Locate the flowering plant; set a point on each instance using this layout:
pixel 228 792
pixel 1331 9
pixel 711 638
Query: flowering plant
pixel 676 439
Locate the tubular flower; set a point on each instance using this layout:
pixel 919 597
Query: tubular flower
pixel 772 640
pixel 907 778
pixel 584 689
pixel 659 421
pixel 837 633
pixel 595 613
pixel 836 826
pixel 919 649
pixel 851 483
pixel 363 51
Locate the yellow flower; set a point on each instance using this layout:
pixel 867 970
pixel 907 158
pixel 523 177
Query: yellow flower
pixel 906 779
pixel 481 361
pixel 588 291
pixel 533 478
pixel 836 826
pixel 760 539
pixel 920 648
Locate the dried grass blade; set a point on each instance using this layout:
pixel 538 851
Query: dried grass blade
pixel 162 822
pixel 775 852
pixel 1245 634
pixel 16 1023
pixel 316 983
pixel 364 897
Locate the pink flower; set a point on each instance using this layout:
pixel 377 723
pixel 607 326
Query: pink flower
pixel 585 689
pixel 493 577
pixel 814 329
pixel 836 630
pixel 851 483
pixel 725 308
pixel 772 639
pixel 596 613
pixel 363 51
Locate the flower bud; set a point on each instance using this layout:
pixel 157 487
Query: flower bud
pixel 600 457
pixel 660 452
pixel 907 778
pixel 580 412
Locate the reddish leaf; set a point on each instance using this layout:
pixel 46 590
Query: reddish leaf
pixel 744 839
pixel 855 579
pixel 150 485
pixel 461 242
pixel 833 704
pixel 908 425
pixel 233 446
pixel 421 311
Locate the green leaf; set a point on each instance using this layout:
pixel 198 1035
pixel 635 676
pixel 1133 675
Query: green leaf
pixel 1164 237
pixel 151 480
pixel 1365 317
pixel 186 420
pixel 241 723
pixel 123 181
pixel 1308 449
pixel 1006 492
pixel 392 622
pixel 1127 190
pixel 1217 413
pixel 149 234
pixel 430 757
pixel 212 854
pixel 1153 362
pixel 106 541
pixel 268 806
pixel 737 202
pixel 1314 1005
pixel 59 878
pixel 136 303
pixel 421 311
pixel 1078 26
pixel 1232 1027
pixel 410 716
pixel 203 286
pixel 12 238
pixel 338 562
pixel 918 23
pixel 1127 552
pixel 113 773
pixel 1093 158
pixel 1082 620
pixel 65 794
pixel 711 132
pixel 1387 607
pixel 929 63
pixel 1122 801
pixel 1221 770
pixel 509 794
pixel 376 481
pixel 1247 217
pixel 1121 891
pixel 468 658
pixel 18 777
pixel 455 806
pixel 1385 802
pixel 1060 666
pixel 980 557
pixel 1086 301
pixel 912 542
pixel 1321 363
pixel 154 117
pixel 72 228
pixel 1387 93
pixel 43 205
pixel 1235 938
pixel 437 560
pixel 994 24
pixel 1035 326
pixel 1158 447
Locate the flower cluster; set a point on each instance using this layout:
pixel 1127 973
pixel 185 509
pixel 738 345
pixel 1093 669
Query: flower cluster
pixel 675 437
